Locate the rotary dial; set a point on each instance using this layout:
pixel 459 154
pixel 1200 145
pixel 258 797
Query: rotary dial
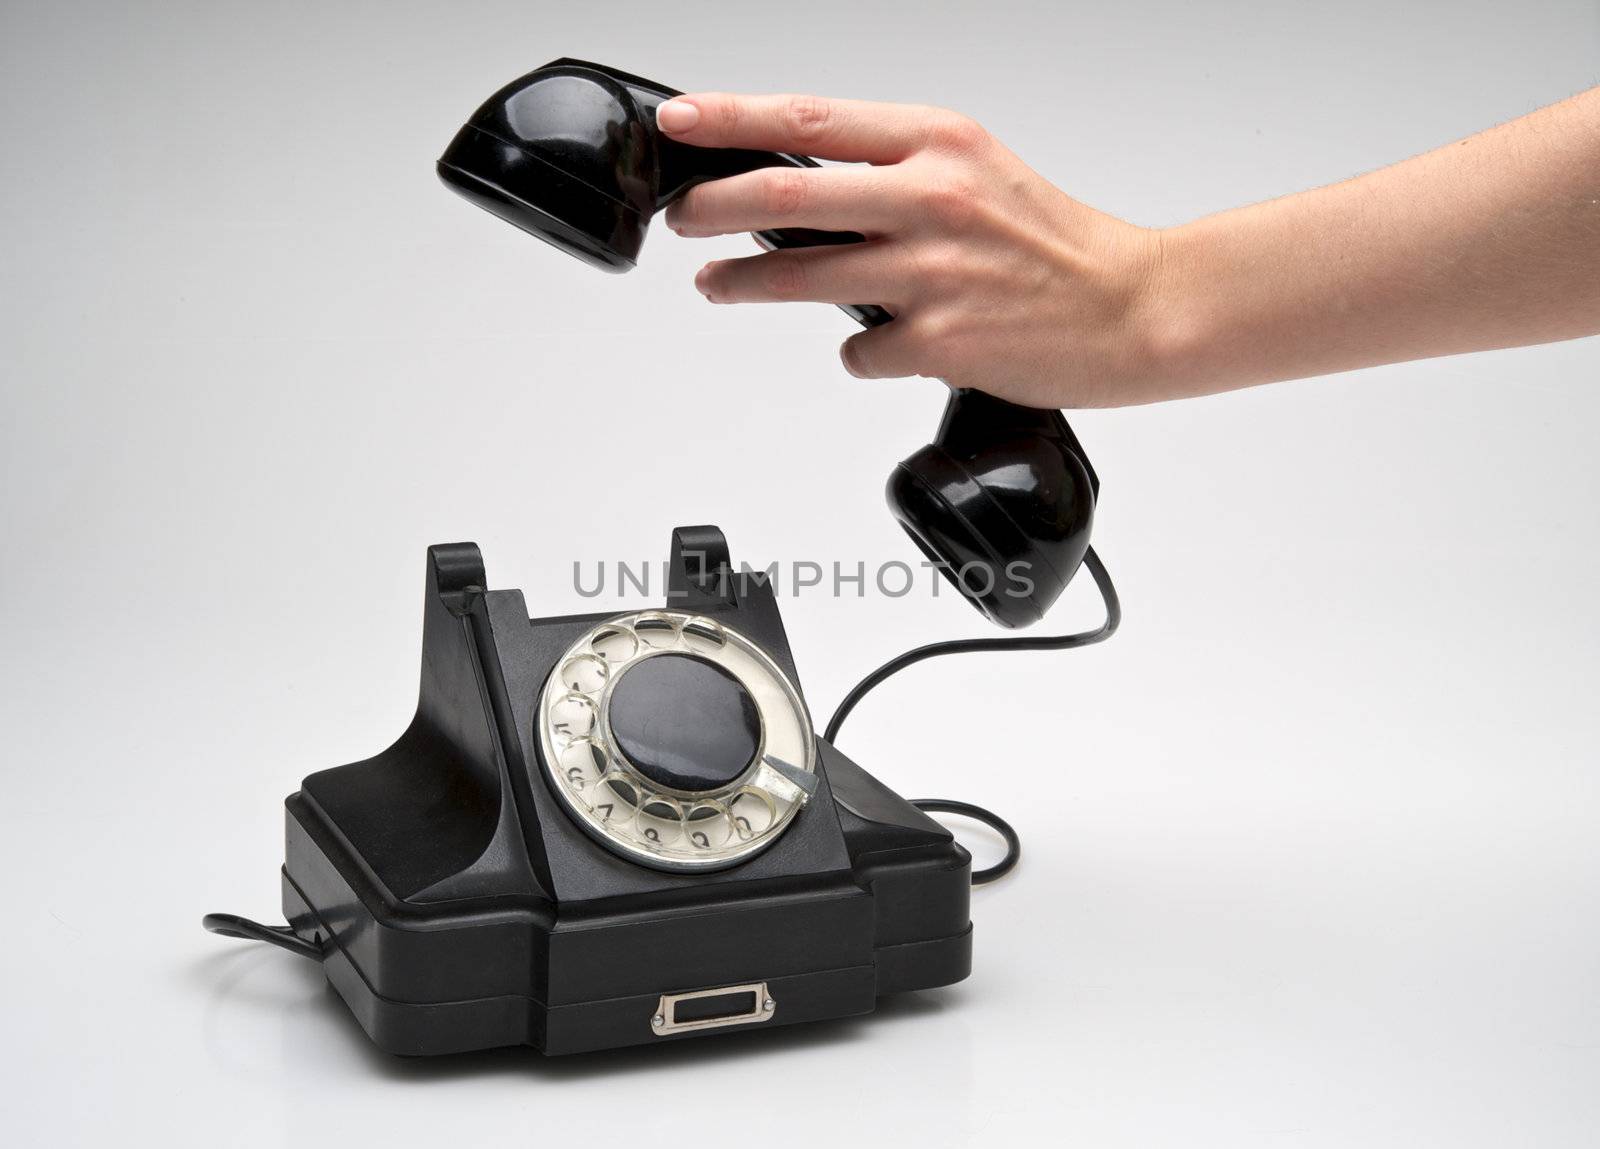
pixel 676 741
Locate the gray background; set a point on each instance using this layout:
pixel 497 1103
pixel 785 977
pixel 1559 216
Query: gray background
pixel 1312 850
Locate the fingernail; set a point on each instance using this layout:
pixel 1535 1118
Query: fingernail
pixel 677 116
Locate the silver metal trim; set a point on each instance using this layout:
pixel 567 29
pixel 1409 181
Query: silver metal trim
pixel 785 785
pixel 666 1020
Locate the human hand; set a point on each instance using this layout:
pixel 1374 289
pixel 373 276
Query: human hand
pixel 1002 282
pixel 997 279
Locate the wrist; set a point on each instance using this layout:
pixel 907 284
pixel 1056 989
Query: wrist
pixel 1137 352
pixel 1178 322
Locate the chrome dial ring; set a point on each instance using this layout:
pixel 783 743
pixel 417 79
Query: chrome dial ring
pixel 640 818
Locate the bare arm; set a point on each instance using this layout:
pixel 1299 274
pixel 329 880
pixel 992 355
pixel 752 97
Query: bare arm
pixel 1490 242
pixel 999 280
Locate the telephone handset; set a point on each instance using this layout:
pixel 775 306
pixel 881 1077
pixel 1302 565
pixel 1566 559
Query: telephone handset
pixel 570 153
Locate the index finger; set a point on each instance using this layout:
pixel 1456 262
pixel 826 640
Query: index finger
pixel 854 130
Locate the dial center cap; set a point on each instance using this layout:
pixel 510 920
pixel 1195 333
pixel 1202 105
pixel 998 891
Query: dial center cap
pixel 684 722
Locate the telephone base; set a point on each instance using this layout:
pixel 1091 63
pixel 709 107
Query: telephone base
pixel 459 904
pixel 429 1028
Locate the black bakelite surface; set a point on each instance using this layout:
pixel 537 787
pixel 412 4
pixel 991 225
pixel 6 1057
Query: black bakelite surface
pixel 683 722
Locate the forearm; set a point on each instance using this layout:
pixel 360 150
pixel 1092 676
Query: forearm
pixel 1490 242
pixel 1000 281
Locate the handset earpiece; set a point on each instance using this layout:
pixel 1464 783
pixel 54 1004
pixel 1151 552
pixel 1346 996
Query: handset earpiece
pixel 566 154
pixel 571 153
pixel 1002 500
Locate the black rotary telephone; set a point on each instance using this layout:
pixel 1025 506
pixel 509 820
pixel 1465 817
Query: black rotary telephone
pixel 614 829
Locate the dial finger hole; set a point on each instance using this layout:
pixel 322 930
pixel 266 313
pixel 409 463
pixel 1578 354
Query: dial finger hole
pixel 660 821
pixel 582 764
pixel 614 644
pixel 753 812
pixel 703 635
pixel 657 631
pixel 707 827
pixel 614 799
pixel 584 674
pixel 572 716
